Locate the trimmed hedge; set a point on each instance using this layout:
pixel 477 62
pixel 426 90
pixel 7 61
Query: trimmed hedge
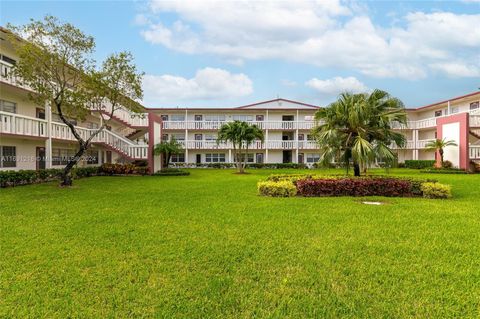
pixel 276 189
pixel 419 164
pixel 389 187
pixel 436 190
pixel 26 177
pixel 172 172
pixel 444 171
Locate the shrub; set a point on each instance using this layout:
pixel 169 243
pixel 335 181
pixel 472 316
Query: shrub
pixel 444 171
pixel 276 189
pixel 119 169
pixel 436 190
pixel 390 187
pixel 79 172
pixel 447 164
pixel 172 172
pixel 419 164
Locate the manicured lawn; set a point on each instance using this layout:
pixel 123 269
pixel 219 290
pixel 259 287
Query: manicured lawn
pixel 206 245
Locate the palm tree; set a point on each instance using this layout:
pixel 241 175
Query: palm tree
pixel 241 135
pixel 358 128
pixel 438 145
pixel 167 149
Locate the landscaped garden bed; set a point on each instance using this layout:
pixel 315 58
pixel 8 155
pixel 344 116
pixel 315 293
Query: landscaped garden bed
pixel 308 185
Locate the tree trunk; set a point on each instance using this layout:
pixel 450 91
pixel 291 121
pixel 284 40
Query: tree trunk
pixel 67 171
pixel 440 151
pixel 356 169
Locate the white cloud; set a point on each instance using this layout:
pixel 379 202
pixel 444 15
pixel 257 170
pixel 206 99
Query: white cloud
pixel 322 33
pixel 456 69
pixel 337 85
pixel 207 84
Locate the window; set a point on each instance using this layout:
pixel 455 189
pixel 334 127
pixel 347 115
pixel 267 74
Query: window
pixel 8 156
pixel 301 137
pixel 198 118
pixel 313 158
pixel 310 137
pixel 243 118
pixel 250 157
pixel 56 118
pixel 177 118
pixel 214 118
pixel 210 137
pixel 438 113
pixel 8 59
pixel 198 137
pixel 178 158
pixel 7 106
pixel 92 156
pixel 178 137
pixel 61 156
pixel 164 117
pixel 454 110
pixel 215 158
pixel 164 137
pixel 93 126
pixel 259 118
pixel 474 105
pixel 309 117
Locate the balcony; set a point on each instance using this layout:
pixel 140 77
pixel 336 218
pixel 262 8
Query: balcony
pixel 271 144
pixel 474 152
pixel 11 123
pixel 215 125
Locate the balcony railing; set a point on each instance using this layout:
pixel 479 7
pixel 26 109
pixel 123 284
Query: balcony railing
pixel 271 144
pixel 474 151
pixel 15 124
pixel 11 123
pixel 215 125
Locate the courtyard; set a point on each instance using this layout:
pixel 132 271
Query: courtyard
pixel 206 245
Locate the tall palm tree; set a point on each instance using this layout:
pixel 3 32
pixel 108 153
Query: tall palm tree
pixel 358 128
pixel 438 145
pixel 241 135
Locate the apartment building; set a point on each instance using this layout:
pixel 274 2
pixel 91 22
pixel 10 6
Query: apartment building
pixel 287 125
pixel 33 137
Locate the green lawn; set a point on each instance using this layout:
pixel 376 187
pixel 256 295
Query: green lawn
pixel 206 245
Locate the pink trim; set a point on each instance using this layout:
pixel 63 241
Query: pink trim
pixel 122 121
pixel 446 101
pixel 461 118
pixel 152 119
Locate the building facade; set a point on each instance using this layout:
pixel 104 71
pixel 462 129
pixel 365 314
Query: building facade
pixel 33 136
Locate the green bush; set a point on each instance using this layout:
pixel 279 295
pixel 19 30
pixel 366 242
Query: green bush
pixel 447 164
pixel 436 190
pixel 276 189
pixel 419 164
pixel 172 172
pixel 444 171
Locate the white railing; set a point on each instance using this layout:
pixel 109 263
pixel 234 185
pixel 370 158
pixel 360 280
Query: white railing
pixel 127 116
pixel 11 123
pixel 474 120
pixel 408 145
pixel 6 75
pixel 215 125
pixel 474 151
pixel 423 143
pixel 122 144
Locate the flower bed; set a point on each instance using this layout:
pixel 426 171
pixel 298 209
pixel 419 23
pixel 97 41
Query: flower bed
pixel 309 185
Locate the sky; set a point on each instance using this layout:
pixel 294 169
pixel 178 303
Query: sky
pixel 232 53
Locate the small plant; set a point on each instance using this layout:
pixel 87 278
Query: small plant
pixel 419 164
pixel 276 189
pixel 447 164
pixel 436 190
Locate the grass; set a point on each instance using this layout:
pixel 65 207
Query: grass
pixel 206 246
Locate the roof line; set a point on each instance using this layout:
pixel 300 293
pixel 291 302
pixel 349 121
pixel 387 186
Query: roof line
pixel 234 108
pixel 445 101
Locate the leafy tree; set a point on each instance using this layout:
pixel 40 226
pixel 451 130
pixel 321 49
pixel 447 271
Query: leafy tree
pixel 438 145
pixel 241 135
pixel 167 149
pixel 357 128
pixel 55 62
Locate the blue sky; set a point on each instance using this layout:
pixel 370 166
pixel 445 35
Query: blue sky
pixel 202 53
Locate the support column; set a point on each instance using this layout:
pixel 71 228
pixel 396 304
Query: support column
pixel 48 142
pixel 267 123
pixel 186 136
pixel 230 155
pixel 295 160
